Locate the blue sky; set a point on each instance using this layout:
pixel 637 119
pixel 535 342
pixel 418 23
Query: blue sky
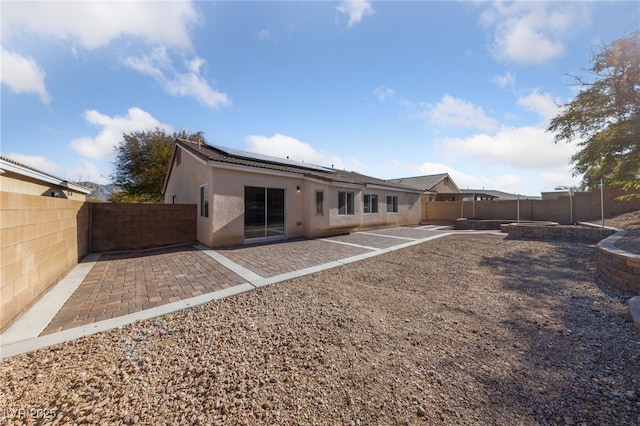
pixel 388 89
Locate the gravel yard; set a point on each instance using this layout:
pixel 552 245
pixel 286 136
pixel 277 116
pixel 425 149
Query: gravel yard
pixel 466 329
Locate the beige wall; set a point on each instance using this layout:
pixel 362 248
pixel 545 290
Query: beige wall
pixel 41 239
pixel 586 206
pixel 408 209
pixel 185 183
pixel 136 226
pixel 225 225
pixel 228 203
pixel 445 186
pixel 12 182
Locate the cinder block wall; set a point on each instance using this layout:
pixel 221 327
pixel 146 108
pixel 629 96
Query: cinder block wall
pixel 586 207
pixel 129 226
pixel 41 239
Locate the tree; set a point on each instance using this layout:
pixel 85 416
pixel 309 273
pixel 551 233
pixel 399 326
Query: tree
pixel 142 160
pixel 604 118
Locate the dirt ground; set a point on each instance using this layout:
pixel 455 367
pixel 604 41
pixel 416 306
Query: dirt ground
pixel 465 329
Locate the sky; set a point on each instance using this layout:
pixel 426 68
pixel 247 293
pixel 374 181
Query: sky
pixel 387 89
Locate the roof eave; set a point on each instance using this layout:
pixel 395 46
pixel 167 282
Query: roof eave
pixel 41 176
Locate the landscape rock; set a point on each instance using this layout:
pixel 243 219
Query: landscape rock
pixel 466 329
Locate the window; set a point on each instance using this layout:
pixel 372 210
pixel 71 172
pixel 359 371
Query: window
pixel 370 203
pixel 204 200
pixel 319 203
pixel 174 199
pixel 346 203
pixel 178 156
pixel 392 204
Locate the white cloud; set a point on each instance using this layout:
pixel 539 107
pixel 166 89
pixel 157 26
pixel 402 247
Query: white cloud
pixel 507 81
pixel 102 146
pixel 452 111
pixel 355 10
pixel 532 32
pixel 37 162
pixel 383 93
pixel 550 180
pixel 264 34
pixel 92 25
pixel 521 147
pixel 542 104
pixel 87 171
pixel 474 176
pixel 83 171
pixel 190 83
pixel 462 179
pixel 283 146
pixel 23 74
pixel 96 24
pixel 510 183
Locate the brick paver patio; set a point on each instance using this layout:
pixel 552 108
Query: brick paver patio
pixel 123 283
pixel 120 284
pixel 269 260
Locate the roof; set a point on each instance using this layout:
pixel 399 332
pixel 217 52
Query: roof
pixel 500 195
pixel 220 154
pixel 8 165
pixel 232 156
pixel 423 183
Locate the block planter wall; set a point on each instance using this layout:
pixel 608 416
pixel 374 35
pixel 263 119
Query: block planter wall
pixel 619 268
pixel 529 231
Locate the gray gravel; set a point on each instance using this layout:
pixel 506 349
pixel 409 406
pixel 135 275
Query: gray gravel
pixel 467 329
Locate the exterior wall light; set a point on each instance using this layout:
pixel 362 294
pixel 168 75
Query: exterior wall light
pixel 298 189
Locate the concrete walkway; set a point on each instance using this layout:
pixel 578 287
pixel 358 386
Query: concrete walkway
pixel 110 290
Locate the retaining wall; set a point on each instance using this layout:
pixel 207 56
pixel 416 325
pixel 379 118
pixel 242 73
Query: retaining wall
pixel 619 268
pixel 480 225
pixel 555 232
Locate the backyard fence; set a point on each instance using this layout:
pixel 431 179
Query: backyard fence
pixel 581 207
pixel 42 238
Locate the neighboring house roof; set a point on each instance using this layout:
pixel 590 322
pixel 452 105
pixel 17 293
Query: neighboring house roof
pixel 424 183
pixel 500 195
pixel 8 165
pixel 241 158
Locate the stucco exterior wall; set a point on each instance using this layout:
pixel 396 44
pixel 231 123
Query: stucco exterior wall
pixel 12 182
pixel 228 203
pixel 445 186
pixel 227 182
pixel 408 210
pixel 186 180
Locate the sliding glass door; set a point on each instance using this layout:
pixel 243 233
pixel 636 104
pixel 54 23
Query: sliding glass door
pixel 263 212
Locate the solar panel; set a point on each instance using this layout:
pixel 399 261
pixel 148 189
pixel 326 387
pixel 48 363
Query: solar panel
pixel 261 157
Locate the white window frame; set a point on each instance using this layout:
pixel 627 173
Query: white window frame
pixel 347 208
pixel 370 203
pixel 392 204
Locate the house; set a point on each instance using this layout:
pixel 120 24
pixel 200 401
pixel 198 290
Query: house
pixel 244 197
pixel 20 178
pixel 492 194
pixel 439 187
